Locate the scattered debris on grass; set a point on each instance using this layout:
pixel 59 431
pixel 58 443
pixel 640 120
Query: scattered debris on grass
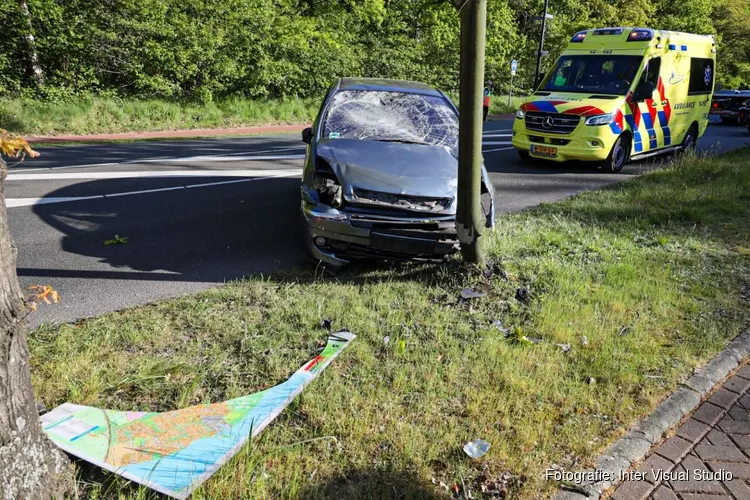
pixel 468 293
pixel 585 341
pixel 477 448
pixel 326 324
pixel 564 347
pixel 386 339
pixel 522 294
pixel 498 324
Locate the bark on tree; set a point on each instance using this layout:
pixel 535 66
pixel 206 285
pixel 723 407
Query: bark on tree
pixel 31 466
pixel 32 58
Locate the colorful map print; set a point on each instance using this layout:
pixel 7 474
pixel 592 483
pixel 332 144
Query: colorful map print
pixel 174 452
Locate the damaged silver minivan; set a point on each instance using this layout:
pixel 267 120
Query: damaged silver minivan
pixel 381 172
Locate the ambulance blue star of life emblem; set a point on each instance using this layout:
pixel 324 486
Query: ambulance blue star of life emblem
pixel 707 75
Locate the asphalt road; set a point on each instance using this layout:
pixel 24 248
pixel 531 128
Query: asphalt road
pixel 235 215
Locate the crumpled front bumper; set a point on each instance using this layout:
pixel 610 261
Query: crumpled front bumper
pixel 348 237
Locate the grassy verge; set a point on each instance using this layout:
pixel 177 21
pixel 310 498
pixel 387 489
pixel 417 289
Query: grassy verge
pixel 645 281
pixel 101 115
pixel 94 115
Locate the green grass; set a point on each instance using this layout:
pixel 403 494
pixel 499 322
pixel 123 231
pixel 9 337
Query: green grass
pixel 100 115
pixel 93 115
pixel 651 272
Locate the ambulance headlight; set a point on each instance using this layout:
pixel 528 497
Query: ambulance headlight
pixel 600 119
pixel 520 114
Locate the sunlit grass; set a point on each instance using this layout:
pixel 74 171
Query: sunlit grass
pixel 92 115
pixel 644 280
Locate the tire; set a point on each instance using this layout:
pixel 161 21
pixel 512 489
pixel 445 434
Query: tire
pixel 618 156
pixel 690 140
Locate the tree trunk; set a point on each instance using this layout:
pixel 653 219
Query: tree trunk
pixel 32 58
pixel 31 466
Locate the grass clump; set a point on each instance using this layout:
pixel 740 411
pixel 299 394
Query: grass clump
pixel 645 280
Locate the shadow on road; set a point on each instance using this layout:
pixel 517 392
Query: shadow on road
pixel 205 235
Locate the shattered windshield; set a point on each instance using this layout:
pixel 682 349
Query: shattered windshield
pixel 391 117
pixel 593 74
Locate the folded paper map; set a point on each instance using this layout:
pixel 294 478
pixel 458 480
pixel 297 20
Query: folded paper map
pixel 174 452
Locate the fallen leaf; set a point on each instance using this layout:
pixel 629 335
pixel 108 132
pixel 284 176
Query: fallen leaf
pixel 117 240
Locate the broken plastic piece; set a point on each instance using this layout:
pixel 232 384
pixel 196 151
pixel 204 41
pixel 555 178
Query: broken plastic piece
pixel 585 340
pixel 477 448
pixel 468 293
pixel 326 324
pixel 386 339
pixel 499 325
pixel 522 294
pixel 564 347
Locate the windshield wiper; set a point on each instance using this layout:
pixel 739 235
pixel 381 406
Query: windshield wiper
pixel 404 141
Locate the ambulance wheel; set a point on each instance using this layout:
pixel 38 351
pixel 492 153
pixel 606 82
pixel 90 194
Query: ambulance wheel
pixel 618 156
pixel 691 138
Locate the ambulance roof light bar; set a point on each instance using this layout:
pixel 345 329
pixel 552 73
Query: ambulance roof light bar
pixel 641 35
pixel 578 37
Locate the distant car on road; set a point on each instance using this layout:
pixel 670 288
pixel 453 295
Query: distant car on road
pixel 744 115
pixel 726 105
pixel 381 173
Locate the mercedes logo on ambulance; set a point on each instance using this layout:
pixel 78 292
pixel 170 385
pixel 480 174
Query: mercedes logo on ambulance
pixel 548 122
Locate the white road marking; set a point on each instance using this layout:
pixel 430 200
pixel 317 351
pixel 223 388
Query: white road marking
pixel 224 157
pixel 25 202
pixel 498 149
pixel 155 174
pixel 496 143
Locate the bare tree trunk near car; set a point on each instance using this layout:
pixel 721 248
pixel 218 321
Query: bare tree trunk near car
pixel 31 466
pixel 32 58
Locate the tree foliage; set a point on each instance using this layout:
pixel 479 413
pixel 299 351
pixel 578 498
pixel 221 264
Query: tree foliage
pixel 201 49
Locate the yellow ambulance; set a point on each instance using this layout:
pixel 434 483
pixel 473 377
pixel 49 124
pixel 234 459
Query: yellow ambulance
pixel 620 94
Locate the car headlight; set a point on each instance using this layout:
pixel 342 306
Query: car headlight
pixel 600 119
pixel 520 114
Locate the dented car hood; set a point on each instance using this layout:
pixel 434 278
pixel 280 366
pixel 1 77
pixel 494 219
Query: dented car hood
pixel 392 167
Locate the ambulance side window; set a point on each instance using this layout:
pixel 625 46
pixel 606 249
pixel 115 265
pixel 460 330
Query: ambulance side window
pixel 701 76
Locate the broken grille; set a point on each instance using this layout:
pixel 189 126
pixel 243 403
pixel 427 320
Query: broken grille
pixel 401 201
pixel 554 123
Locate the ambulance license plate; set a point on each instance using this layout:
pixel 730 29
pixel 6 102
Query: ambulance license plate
pixel 544 151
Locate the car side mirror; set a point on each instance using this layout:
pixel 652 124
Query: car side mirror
pixel 644 91
pixel 307 135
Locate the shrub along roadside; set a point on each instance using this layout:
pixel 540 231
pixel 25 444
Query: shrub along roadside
pixel 645 280
pixel 101 115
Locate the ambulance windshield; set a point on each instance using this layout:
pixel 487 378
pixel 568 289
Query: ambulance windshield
pixel 599 74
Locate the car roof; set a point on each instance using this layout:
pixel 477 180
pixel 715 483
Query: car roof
pixel 382 84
